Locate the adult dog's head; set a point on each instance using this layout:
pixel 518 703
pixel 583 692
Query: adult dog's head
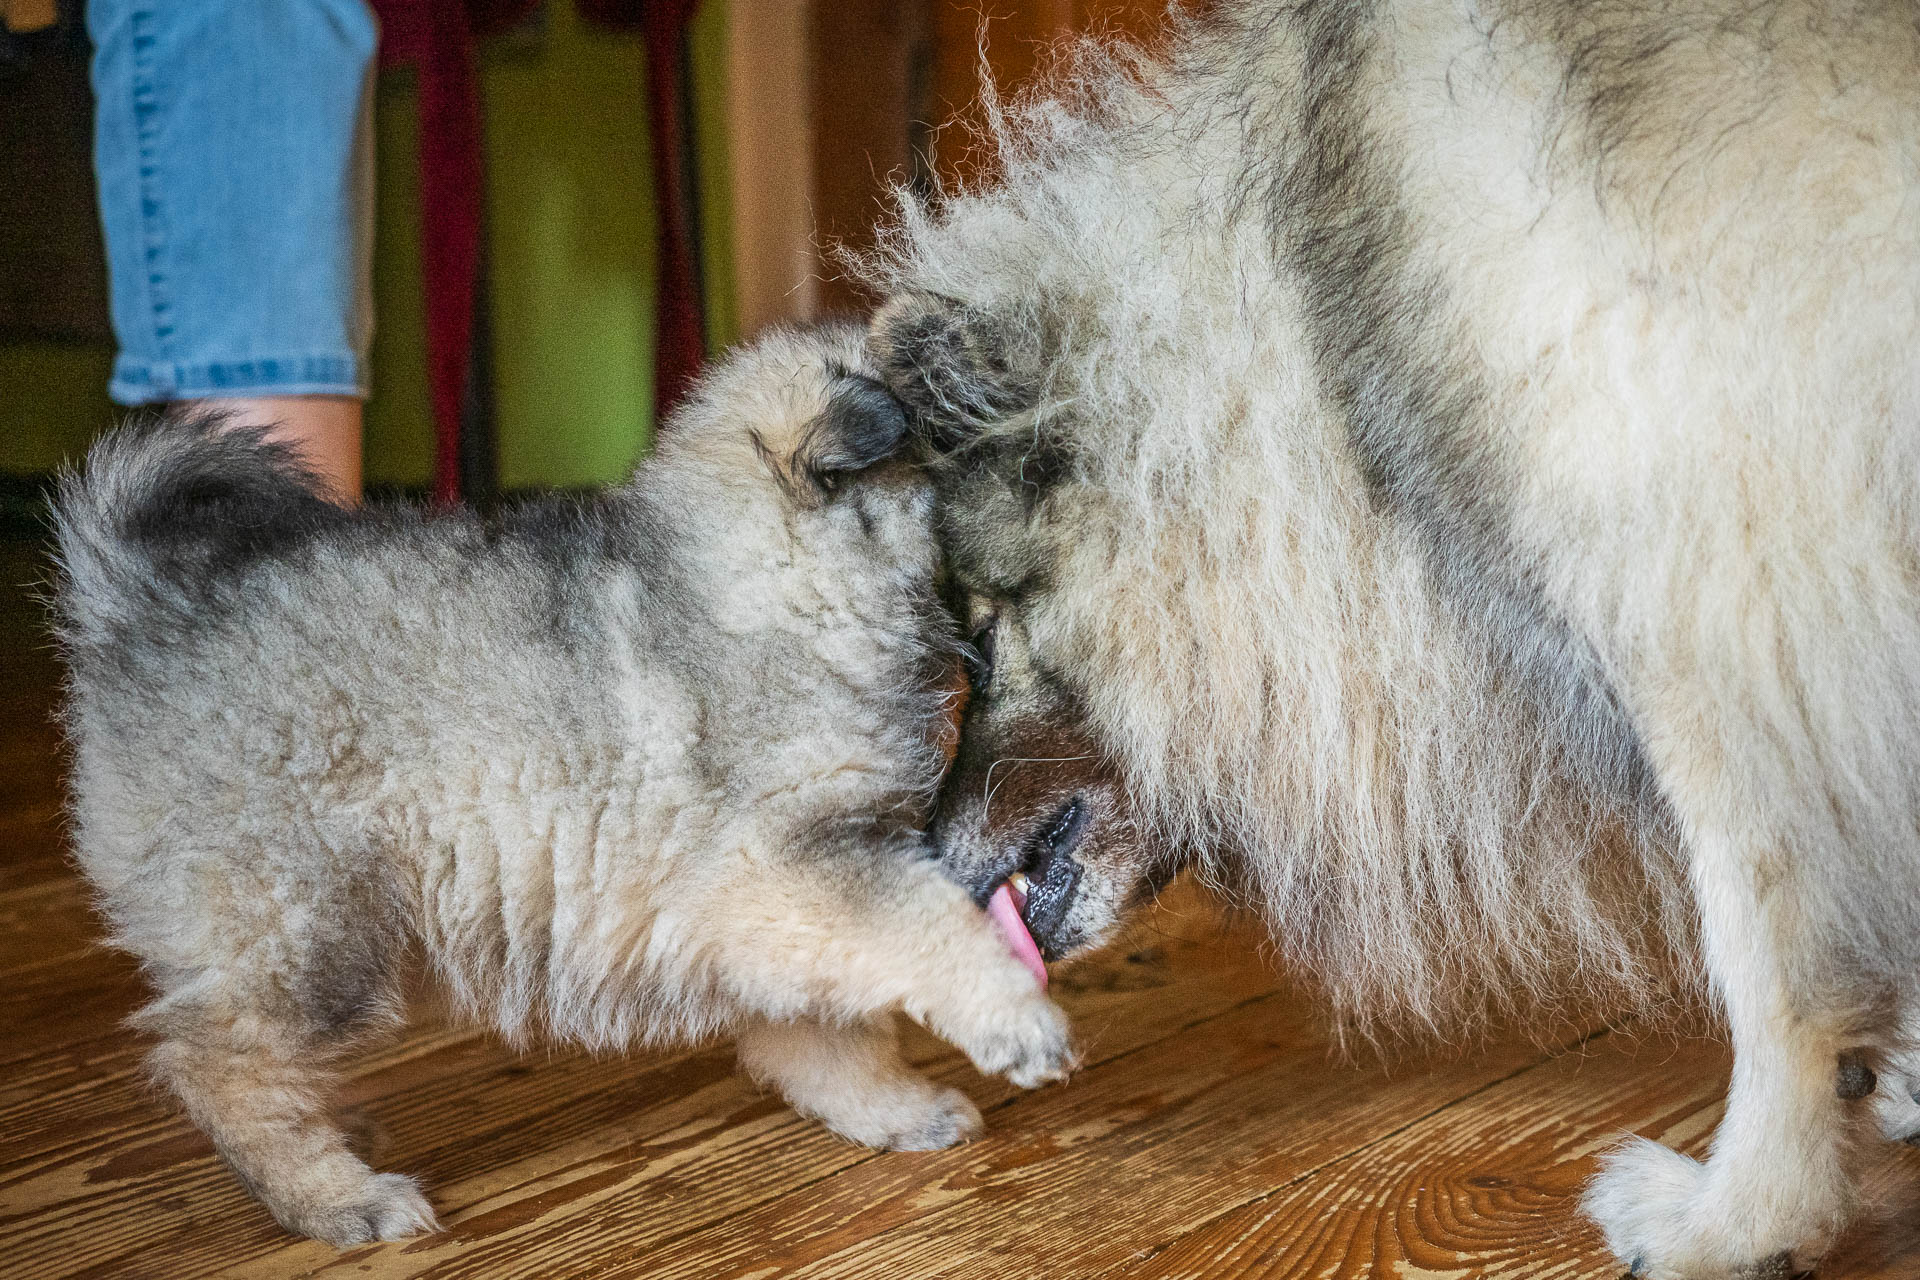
pixel 1034 796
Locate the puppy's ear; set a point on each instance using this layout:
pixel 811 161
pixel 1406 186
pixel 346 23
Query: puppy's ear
pixel 950 365
pixel 862 425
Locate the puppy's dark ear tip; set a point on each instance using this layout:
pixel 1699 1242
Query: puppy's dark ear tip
pixel 861 426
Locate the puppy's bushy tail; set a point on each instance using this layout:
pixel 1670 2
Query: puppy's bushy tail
pixel 164 510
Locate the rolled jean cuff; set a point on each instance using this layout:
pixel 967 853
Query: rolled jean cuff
pixel 137 382
pixel 233 151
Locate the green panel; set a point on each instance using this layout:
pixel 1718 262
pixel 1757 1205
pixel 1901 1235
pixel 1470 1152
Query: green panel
pixel 571 230
pixel 53 401
pixel 708 58
pixel 399 439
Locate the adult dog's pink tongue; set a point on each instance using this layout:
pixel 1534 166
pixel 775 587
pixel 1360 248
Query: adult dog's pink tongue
pixel 1005 914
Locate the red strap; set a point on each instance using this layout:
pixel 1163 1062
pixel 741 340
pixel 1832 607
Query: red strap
pixel 436 38
pixel 680 340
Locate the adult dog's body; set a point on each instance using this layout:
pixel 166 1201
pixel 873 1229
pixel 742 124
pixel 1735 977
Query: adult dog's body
pixel 1412 453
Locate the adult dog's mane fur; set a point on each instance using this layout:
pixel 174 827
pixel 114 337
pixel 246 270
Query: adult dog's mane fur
pixel 1356 759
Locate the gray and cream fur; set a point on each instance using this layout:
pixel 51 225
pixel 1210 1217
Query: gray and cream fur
pixel 1452 467
pixel 644 767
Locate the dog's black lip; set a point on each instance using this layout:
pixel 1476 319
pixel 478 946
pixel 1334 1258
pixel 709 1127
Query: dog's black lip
pixel 1053 874
pixel 1063 833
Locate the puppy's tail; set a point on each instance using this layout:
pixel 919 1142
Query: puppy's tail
pixel 166 510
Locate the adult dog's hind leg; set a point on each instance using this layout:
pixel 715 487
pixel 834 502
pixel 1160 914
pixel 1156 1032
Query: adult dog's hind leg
pixel 1777 1184
pixel 851 1078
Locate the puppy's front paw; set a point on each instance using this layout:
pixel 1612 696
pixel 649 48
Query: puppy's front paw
pixel 1662 1220
pixel 1026 1039
pixel 940 1119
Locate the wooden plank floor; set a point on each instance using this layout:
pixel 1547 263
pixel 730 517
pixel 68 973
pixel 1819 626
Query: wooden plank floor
pixel 1211 1133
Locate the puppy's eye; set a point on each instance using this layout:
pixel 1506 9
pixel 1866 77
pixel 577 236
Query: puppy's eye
pixel 980 655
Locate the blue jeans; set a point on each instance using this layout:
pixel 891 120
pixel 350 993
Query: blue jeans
pixel 233 147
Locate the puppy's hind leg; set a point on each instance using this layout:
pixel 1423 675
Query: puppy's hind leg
pixel 851 1078
pixel 260 994
pixel 261 1094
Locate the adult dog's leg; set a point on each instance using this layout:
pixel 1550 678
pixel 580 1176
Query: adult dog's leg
pixel 1778 1183
pixel 1896 1096
pixel 851 1079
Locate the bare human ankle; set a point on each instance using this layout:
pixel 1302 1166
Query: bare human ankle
pixel 325 430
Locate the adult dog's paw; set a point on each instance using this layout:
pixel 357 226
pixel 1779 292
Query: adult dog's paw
pixel 1664 1222
pixel 949 364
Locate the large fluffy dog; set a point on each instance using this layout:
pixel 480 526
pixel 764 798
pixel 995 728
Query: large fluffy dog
pixel 1453 467
pixel 646 767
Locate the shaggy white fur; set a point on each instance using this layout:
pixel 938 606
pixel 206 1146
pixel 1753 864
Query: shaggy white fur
pixel 1273 663
pixel 1457 459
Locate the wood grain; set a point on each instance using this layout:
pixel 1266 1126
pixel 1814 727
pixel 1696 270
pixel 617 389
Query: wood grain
pixel 1486 1186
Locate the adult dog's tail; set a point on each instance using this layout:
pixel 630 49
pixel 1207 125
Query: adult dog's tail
pixel 166 510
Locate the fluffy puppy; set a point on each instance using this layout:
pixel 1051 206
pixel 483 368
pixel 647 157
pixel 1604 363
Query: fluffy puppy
pixel 638 768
